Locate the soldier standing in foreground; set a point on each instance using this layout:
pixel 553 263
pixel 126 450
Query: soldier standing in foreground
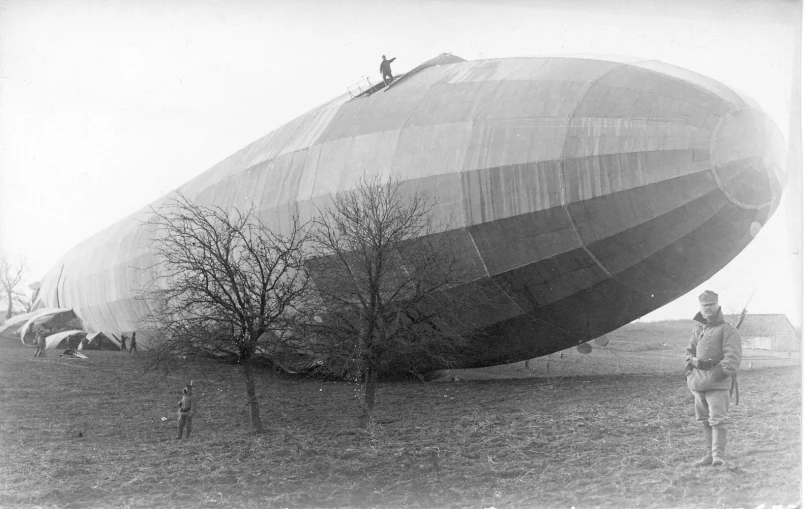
pixel 713 358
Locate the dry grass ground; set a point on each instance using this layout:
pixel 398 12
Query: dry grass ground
pixel 554 439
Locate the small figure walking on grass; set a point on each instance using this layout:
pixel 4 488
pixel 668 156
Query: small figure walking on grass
pixel 133 343
pixel 186 410
pixel 713 358
pixel 36 341
pixel 123 339
pixel 41 342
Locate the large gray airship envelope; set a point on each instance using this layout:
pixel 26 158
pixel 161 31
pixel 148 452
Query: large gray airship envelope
pixel 588 192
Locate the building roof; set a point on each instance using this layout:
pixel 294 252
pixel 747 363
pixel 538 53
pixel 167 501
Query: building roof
pixel 765 325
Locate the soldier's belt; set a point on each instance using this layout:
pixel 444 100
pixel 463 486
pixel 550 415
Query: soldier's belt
pixel 705 364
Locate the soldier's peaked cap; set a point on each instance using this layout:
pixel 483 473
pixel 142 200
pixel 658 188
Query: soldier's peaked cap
pixel 708 297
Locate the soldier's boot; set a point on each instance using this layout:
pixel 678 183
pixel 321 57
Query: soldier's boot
pixel 706 460
pixel 718 447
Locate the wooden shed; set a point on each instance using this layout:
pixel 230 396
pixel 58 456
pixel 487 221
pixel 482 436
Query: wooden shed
pixel 770 332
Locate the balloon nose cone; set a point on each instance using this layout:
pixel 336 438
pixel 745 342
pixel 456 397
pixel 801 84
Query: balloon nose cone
pixel 749 157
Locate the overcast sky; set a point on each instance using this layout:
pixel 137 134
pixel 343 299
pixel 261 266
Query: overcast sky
pixel 107 105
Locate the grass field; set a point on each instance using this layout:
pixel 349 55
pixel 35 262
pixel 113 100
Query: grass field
pixel 585 432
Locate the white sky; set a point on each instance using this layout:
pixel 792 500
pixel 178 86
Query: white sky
pixel 107 105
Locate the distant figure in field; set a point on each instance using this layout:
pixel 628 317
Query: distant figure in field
pixel 713 358
pixel 123 339
pixel 385 70
pixel 41 342
pixel 36 342
pixel 186 410
pixel 133 347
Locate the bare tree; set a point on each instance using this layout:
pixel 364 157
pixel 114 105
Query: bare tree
pixel 11 276
pixel 225 284
pixel 383 270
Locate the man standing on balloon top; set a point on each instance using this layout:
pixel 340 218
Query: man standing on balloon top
pixel 713 358
pixel 385 70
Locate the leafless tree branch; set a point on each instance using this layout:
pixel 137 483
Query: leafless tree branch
pixel 383 272
pixel 12 293
pixel 224 285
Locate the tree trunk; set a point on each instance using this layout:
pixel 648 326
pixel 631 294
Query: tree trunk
pixel 251 393
pixel 368 397
pixel 10 310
